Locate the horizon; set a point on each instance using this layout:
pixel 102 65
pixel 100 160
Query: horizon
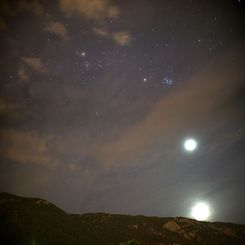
pixel 123 214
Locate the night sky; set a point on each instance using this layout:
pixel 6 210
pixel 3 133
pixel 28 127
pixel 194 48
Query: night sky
pixel 97 98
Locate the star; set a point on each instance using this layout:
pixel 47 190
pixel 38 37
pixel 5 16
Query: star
pixel 167 81
pixel 81 53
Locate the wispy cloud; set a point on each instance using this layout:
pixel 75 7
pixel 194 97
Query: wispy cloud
pixel 101 32
pixel 57 28
pixel 12 8
pixel 91 9
pixel 3 24
pixel 97 11
pixel 26 147
pixel 173 115
pixel 8 109
pixel 122 38
pixel 35 63
pixel 23 74
pixel 34 6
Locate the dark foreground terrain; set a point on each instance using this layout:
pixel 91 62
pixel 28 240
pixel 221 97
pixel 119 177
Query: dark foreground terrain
pixel 35 221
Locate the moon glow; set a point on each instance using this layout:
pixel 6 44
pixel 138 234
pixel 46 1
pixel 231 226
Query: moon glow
pixel 200 211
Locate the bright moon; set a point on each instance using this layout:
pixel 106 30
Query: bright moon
pixel 200 211
pixel 190 144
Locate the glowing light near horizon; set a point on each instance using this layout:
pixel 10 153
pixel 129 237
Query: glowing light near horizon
pixel 200 211
pixel 190 145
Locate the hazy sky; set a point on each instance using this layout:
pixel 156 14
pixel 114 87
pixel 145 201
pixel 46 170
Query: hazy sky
pixel 98 96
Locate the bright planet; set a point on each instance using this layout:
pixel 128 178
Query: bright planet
pixel 190 145
pixel 200 211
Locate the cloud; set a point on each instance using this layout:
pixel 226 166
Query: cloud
pixel 101 32
pixel 188 107
pixel 8 109
pixel 12 8
pixel 26 147
pixel 35 7
pixel 35 63
pixel 91 9
pixel 97 11
pixel 122 38
pixel 57 28
pixel 23 74
pixel 3 25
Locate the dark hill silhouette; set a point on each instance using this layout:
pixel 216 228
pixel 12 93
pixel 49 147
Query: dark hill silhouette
pixel 35 221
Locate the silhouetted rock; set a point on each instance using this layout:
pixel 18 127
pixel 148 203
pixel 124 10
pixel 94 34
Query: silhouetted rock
pixel 37 221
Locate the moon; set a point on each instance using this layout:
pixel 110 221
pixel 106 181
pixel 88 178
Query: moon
pixel 190 145
pixel 200 211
